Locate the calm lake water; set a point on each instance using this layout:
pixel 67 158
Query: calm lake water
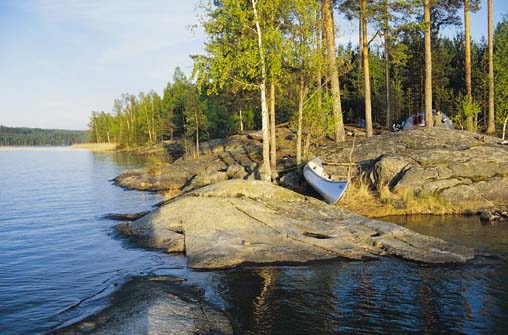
pixel 60 260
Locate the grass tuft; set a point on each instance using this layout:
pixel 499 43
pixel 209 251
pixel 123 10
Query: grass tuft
pixel 384 202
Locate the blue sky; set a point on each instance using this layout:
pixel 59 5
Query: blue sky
pixel 62 59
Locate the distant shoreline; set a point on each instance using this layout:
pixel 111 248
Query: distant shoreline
pixel 82 146
pixel 96 146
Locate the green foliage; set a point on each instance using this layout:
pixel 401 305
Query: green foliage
pixel 14 136
pixel 194 113
pixel 226 78
pixel 501 70
pixel 148 119
pixel 468 111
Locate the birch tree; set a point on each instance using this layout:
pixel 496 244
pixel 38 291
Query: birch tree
pixel 333 75
pixel 304 58
pixel 195 117
pixel 239 34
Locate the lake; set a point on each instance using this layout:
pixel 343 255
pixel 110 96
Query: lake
pixel 61 259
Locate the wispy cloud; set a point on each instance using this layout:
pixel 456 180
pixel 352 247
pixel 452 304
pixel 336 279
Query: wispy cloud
pixel 120 28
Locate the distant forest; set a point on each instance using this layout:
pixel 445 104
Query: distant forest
pixel 36 136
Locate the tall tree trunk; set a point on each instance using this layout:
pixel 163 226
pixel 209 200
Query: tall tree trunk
pixel 366 73
pixel 96 130
pixel 241 121
pixel 264 108
pixel 273 138
pixel 491 129
pixel 467 49
pixel 128 130
pixel 196 122
pixel 319 92
pixel 301 100
pixel 360 59
pixel 387 68
pixel 428 67
pixel 154 128
pixel 148 126
pixel 107 133
pixel 340 134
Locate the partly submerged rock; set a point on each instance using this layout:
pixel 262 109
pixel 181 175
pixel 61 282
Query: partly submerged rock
pixel 154 305
pixel 235 222
pixel 125 217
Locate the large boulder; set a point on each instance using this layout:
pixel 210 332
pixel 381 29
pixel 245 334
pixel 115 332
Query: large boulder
pixel 461 168
pixel 236 222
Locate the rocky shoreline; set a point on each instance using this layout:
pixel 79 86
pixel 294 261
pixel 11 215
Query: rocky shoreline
pixel 465 172
pixel 219 198
pixel 221 215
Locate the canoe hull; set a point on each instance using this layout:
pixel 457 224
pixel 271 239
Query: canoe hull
pixel 330 190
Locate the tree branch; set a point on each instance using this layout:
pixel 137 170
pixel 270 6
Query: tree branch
pixel 373 37
pixel 245 84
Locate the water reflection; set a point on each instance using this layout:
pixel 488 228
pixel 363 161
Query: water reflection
pixel 128 160
pixel 378 297
pixel 468 231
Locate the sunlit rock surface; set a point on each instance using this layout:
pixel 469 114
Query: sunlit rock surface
pixel 154 305
pixel 461 168
pixel 235 222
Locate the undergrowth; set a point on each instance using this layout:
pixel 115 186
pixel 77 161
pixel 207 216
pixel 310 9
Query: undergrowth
pixel 362 199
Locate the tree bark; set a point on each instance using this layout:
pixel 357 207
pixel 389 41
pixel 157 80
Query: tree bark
pixel 196 122
pixel 148 126
pixel 319 92
pixel 359 84
pixel 428 67
pixel 264 108
pixel 273 139
pixel 96 130
pixel 301 100
pixel 491 129
pixel 387 68
pixel 340 134
pixel 241 121
pixel 467 49
pixel 366 72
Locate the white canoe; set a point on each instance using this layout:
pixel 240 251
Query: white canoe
pixel 321 181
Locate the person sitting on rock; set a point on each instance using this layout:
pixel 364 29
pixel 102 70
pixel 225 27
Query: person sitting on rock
pixel 438 119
